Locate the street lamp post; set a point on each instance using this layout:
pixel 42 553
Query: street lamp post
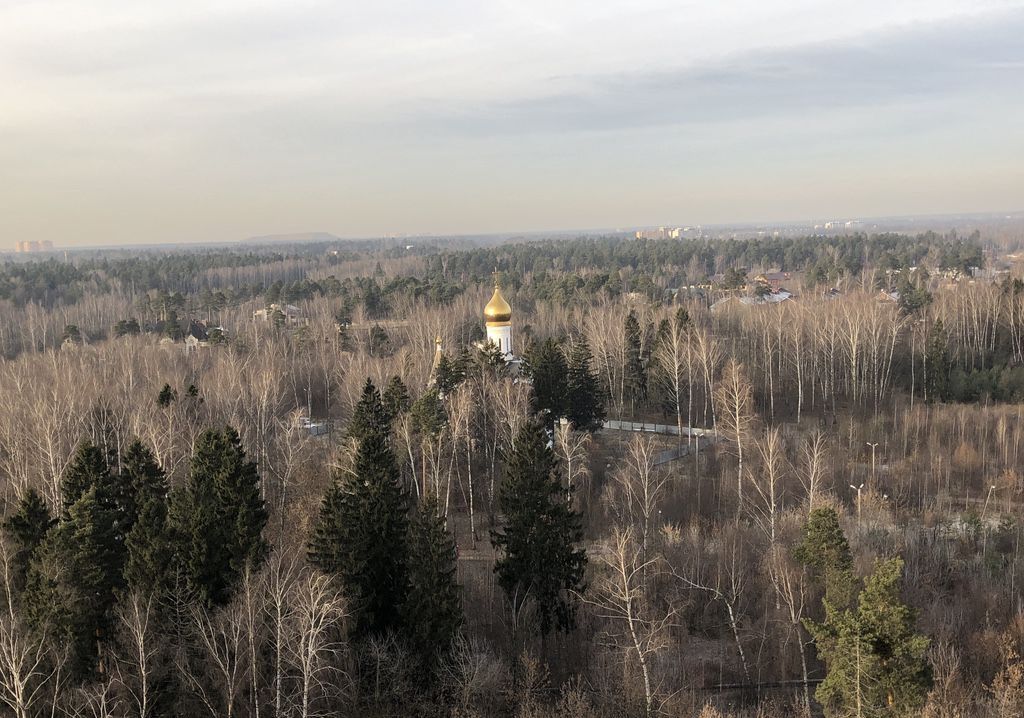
pixel 858 489
pixel 873 447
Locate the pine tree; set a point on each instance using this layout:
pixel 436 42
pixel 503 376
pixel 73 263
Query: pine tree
pixel 432 612
pixel 682 318
pixel 26 529
pixel 546 367
pixel 167 396
pixel 539 535
pixel 369 416
pixel 361 537
pixel 876 665
pixel 218 517
pixel 584 404
pixel 824 547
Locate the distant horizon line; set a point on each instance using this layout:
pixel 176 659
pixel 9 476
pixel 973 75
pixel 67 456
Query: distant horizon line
pixel 323 236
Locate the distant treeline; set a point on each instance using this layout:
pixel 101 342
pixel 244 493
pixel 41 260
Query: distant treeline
pixel 557 270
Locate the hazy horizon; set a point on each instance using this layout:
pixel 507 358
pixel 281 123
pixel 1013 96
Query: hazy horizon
pixel 216 121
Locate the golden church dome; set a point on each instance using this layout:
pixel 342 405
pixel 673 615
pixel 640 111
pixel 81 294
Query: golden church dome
pixel 497 310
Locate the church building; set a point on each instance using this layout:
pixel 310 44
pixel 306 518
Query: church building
pixel 498 318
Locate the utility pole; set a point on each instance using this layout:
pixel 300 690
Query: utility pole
pixel 858 489
pixel 873 447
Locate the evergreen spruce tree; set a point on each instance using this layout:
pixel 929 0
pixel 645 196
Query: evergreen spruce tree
pixel 88 471
pixel 584 404
pixel 73 578
pixel 635 368
pixel 490 357
pixel 876 664
pixel 141 479
pixel 241 504
pixel 148 547
pixel 327 543
pixel 938 367
pixel 88 468
pixel 449 374
pixel 26 529
pixel 432 612
pixel 149 561
pixel 545 365
pixel 396 398
pixel 428 414
pixel 370 415
pixel 361 537
pixel 199 554
pixel 538 540
pixel 218 517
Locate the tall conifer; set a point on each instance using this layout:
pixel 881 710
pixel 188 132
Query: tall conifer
pixel 584 405
pixel 26 529
pixel 72 581
pixel 546 367
pixel 370 415
pixel 432 612
pixel 88 468
pixel 538 541
pixel 148 546
pixel 636 367
pixel 218 517
pixel 361 533
pixel 876 664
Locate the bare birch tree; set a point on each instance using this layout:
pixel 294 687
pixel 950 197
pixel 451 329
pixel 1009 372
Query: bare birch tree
pixel 734 401
pixel 622 599
pixel 315 648
pixel 639 488
pixel 139 666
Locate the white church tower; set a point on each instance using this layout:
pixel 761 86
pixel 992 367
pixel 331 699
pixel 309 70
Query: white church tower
pixel 498 316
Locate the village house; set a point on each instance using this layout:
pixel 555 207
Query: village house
pixel 772 280
pixel 289 314
pixel 196 336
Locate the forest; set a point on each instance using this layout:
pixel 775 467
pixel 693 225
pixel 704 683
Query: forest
pixel 295 480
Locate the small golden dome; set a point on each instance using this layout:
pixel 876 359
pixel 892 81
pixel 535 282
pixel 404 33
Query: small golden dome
pixel 497 310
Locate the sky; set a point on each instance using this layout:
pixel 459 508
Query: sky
pixel 137 121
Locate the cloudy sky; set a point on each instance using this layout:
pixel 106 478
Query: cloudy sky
pixel 211 120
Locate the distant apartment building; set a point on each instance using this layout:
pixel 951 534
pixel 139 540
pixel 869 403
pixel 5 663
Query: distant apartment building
pixel 836 224
pixel 660 233
pixel 34 246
